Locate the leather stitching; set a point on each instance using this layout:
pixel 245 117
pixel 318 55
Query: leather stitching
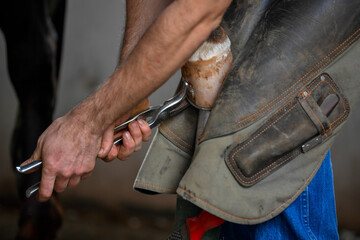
pixel 176 141
pixel 266 107
pixel 346 109
pixel 177 136
pixel 264 130
pixel 269 168
pixel 255 219
pixel 203 135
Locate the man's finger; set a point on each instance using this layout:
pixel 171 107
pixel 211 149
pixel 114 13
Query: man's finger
pixel 145 130
pixel 127 148
pixel 61 184
pixel 107 142
pixel 74 181
pixel 85 176
pixel 46 185
pixel 136 134
pixel 112 154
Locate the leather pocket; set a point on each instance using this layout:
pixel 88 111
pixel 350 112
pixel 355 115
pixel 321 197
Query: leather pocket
pixel 297 127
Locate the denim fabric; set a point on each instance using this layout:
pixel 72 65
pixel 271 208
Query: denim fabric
pixel 311 216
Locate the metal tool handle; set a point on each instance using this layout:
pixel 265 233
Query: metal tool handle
pixel 152 115
pixel 26 168
pixel 31 190
pixel 37 163
pixel 141 115
pixel 155 115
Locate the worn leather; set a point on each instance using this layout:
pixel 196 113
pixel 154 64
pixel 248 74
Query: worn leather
pixel 169 155
pixel 265 140
pixel 286 49
pixel 268 132
pixel 297 127
pixel 181 129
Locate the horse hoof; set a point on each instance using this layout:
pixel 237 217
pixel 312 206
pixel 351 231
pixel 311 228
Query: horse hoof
pixel 39 221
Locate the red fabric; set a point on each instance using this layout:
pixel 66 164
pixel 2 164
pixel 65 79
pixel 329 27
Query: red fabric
pixel 198 225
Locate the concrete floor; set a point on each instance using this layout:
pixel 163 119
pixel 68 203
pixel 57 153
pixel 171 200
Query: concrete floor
pixel 92 221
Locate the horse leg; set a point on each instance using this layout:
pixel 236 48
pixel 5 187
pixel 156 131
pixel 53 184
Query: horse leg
pixel 31 53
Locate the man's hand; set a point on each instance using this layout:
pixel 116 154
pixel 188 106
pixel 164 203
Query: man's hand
pixel 139 131
pixel 68 149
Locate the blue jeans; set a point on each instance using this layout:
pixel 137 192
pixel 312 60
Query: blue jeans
pixel 311 216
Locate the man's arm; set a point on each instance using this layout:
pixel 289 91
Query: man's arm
pixel 140 14
pixel 70 145
pixel 173 37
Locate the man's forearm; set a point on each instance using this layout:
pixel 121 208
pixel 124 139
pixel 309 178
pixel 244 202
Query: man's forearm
pixel 168 42
pixel 140 14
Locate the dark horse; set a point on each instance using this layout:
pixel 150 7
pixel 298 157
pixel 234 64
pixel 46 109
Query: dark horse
pixel 33 32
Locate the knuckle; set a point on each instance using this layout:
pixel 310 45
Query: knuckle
pixel 138 147
pixel 66 173
pixel 49 169
pixel 90 167
pixel 85 176
pixel 87 168
pixel 110 157
pixel 137 133
pixel 126 154
pixel 107 159
pixel 147 130
pixel 73 182
pixel 146 137
pixel 78 171
pixel 107 142
pixel 134 126
pixel 59 189
pixel 129 146
pixel 122 156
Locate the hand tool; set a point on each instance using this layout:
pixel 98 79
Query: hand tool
pixel 154 115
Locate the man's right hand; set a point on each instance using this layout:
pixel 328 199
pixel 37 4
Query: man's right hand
pixel 139 131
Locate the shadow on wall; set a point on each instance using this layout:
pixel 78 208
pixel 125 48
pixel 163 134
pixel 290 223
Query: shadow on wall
pixel 92 38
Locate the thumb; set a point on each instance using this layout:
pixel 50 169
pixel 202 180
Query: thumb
pixel 106 142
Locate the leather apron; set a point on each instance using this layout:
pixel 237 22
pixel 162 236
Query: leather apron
pixel 292 86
